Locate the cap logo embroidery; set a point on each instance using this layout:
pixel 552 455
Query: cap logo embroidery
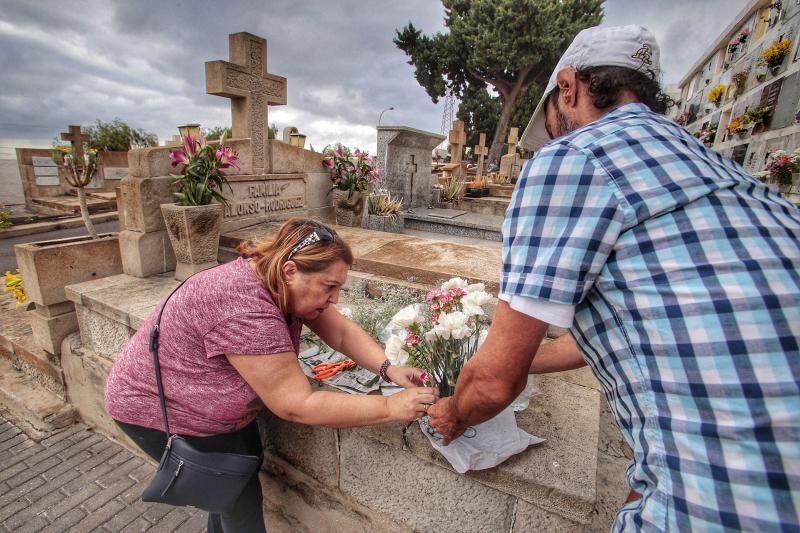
pixel 645 55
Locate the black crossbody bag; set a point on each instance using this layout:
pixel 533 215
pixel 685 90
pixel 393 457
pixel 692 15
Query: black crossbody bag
pixel 211 481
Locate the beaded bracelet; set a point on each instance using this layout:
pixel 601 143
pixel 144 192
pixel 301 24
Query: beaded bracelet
pixel 382 371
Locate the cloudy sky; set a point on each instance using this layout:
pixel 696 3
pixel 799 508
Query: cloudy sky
pixel 75 61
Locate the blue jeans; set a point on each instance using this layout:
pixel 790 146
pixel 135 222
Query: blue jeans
pixel 247 516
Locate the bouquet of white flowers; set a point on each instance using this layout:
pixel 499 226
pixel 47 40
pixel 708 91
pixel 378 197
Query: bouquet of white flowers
pixel 442 334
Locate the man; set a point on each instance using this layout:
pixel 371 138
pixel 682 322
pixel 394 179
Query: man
pixel 677 274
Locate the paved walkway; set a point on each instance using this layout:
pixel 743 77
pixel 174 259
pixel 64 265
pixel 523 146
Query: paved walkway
pixel 77 480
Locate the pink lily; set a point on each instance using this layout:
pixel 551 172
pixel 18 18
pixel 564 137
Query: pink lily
pixel 189 146
pixel 227 158
pixel 178 157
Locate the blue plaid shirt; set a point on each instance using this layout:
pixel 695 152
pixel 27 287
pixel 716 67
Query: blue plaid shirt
pixel 683 273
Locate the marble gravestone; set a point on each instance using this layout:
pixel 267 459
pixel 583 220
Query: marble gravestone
pixel 404 159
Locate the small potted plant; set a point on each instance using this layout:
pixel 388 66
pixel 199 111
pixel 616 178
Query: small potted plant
pixel 715 95
pixel 384 213
pixel 352 172
pixel 782 171
pixel 739 126
pixel 194 221
pixel 772 56
pixel 738 41
pixel 739 81
pixel 708 134
pixel 452 192
pixel 758 116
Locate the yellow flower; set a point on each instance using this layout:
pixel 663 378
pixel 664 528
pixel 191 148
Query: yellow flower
pixel 13 284
pixel 775 53
pixel 715 95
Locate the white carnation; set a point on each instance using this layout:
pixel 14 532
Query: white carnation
pixel 477 298
pixel 395 352
pixel 455 324
pixel 476 287
pixel 455 282
pixel 407 316
pixel 430 336
pixel 473 310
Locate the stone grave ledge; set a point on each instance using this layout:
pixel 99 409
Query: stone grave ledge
pixel 392 255
pixel 414 484
pixel 554 482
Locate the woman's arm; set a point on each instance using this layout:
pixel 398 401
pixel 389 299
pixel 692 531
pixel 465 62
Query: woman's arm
pixel 345 336
pixel 557 356
pixel 285 390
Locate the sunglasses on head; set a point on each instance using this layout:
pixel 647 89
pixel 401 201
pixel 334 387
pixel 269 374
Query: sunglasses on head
pixel 320 233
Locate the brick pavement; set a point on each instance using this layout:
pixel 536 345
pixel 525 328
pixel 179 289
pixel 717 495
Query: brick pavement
pixel 78 480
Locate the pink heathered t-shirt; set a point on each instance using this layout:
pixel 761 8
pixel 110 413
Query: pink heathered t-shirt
pixel 223 310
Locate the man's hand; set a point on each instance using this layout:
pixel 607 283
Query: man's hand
pixel 445 421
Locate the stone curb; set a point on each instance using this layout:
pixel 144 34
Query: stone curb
pixel 43 227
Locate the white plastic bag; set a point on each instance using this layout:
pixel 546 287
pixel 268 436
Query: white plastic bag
pixel 482 446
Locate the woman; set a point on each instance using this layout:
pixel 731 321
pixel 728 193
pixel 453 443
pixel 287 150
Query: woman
pixel 228 344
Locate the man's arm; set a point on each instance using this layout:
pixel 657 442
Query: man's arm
pixel 557 356
pixel 494 376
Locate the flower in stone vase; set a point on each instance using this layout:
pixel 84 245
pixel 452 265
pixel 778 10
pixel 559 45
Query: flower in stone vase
pixel 350 170
pixel 780 166
pixel 715 95
pixel 773 55
pixel 442 334
pixel 204 170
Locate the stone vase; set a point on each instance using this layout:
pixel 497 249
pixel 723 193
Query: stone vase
pixel 391 224
pixel 48 266
pixel 349 207
pixel 436 195
pixel 194 233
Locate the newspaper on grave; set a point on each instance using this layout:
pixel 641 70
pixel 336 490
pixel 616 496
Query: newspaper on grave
pixel 355 380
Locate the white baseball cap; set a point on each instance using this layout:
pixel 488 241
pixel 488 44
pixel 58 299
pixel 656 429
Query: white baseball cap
pixel 631 46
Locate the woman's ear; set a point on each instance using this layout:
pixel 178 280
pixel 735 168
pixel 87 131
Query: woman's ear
pixel 289 271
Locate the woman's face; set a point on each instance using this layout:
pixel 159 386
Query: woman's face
pixel 310 294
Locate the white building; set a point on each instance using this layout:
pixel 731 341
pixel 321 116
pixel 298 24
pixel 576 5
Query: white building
pixel 763 98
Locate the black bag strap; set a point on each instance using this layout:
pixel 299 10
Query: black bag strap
pixel 154 350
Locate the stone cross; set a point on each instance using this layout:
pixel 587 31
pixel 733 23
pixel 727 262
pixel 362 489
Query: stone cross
pixel 244 79
pixel 481 150
pixel 76 139
pixel 458 138
pixel 512 140
pixel 411 166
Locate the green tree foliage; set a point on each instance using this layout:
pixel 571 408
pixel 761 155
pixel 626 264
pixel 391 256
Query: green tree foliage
pixel 118 136
pixel 506 44
pixel 215 133
pixel 480 112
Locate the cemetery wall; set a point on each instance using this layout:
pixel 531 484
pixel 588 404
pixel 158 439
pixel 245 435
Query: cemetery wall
pixel 764 22
pixel 11 192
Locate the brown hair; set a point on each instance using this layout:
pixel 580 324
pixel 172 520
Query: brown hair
pixel 607 83
pixel 270 256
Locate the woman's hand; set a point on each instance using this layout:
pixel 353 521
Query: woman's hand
pixel 406 376
pixel 411 404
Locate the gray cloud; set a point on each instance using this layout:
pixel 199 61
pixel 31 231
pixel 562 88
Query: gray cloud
pixel 75 61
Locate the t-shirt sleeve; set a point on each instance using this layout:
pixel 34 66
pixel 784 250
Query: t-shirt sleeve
pixel 560 227
pixel 253 333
